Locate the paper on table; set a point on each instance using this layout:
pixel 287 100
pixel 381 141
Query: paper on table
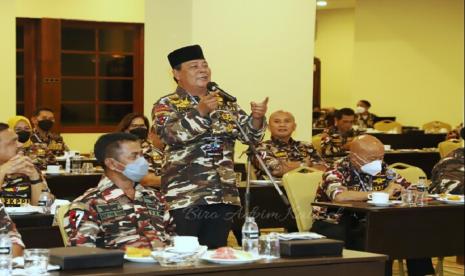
pixel 28 209
pixel 300 236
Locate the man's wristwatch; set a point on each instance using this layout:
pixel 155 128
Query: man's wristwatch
pixel 37 181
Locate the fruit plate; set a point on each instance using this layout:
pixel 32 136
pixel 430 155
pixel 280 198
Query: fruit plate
pixel 241 258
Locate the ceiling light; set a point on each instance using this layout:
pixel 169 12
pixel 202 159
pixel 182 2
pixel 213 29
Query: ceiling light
pixel 321 3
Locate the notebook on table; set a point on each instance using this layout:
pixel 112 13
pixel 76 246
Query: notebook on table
pixel 85 257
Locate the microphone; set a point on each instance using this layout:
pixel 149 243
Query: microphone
pixel 212 86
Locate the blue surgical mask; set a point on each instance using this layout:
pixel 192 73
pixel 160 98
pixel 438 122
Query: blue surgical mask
pixel 137 169
pixel 372 168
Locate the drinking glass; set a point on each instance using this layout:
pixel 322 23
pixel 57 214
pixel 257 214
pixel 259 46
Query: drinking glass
pixel 36 261
pixel 268 246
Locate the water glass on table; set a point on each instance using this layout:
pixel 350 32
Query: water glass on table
pixel 87 167
pixel 409 198
pixel 36 261
pixel 268 246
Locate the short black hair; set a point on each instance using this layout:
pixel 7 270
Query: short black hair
pixel 3 127
pixel 40 109
pixel 365 102
pixel 108 145
pixel 177 68
pixel 344 112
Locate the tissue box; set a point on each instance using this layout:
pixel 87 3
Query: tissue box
pixel 85 257
pixel 311 248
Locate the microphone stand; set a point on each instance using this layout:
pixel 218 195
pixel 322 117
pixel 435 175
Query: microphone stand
pixel 252 151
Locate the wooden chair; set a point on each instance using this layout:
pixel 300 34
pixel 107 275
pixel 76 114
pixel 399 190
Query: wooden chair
pixel 388 126
pixel 60 216
pixel 448 146
pixel 409 172
pixel 301 185
pixel 437 127
pixel 316 142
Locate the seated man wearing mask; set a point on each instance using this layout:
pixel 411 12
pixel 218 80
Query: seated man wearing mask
pixel 364 119
pixel 119 212
pixel 20 182
pixel 43 120
pixel 448 175
pixel 335 140
pixel 7 225
pixel 353 178
pixel 282 154
pixel 138 125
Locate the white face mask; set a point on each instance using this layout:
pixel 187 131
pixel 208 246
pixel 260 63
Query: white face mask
pixel 360 110
pixel 372 168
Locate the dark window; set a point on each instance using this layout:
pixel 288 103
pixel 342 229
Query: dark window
pixel 93 75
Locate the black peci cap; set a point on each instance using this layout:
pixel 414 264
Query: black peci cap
pixel 185 54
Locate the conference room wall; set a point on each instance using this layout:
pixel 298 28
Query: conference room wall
pixel 334 46
pixel 8 58
pixel 406 57
pixel 254 52
pixel 255 48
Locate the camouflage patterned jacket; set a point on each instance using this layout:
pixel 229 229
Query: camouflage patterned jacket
pixel 332 141
pixel 274 152
pixel 448 174
pixel 199 161
pixel 153 156
pixel 365 121
pixel 54 142
pixel 16 190
pixel 44 149
pixel 105 217
pixel 344 176
pixel 6 224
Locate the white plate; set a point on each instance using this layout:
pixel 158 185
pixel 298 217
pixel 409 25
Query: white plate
pixel 434 195
pixel 390 203
pixel 208 258
pixel 445 200
pixel 148 260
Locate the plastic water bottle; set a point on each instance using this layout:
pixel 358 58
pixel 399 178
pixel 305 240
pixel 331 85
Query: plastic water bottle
pixel 46 200
pixel 5 254
pixel 250 236
pixel 422 191
pixel 68 164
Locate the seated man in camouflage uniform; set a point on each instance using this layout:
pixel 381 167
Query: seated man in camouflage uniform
pixel 20 182
pixel 354 178
pixel 335 140
pixel 282 153
pixel 199 131
pixel 46 145
pixel 448 175
pixel 364 118
pixel 119 212
pixel 7 225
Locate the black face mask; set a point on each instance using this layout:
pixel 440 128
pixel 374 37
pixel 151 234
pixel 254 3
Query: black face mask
pixel 23 136
pixel 45 125
pixel 140 132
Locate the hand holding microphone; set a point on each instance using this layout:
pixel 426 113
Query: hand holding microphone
pixel 207 104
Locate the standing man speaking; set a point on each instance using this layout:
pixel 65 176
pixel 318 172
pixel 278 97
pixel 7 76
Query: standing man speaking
pixel 198 127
